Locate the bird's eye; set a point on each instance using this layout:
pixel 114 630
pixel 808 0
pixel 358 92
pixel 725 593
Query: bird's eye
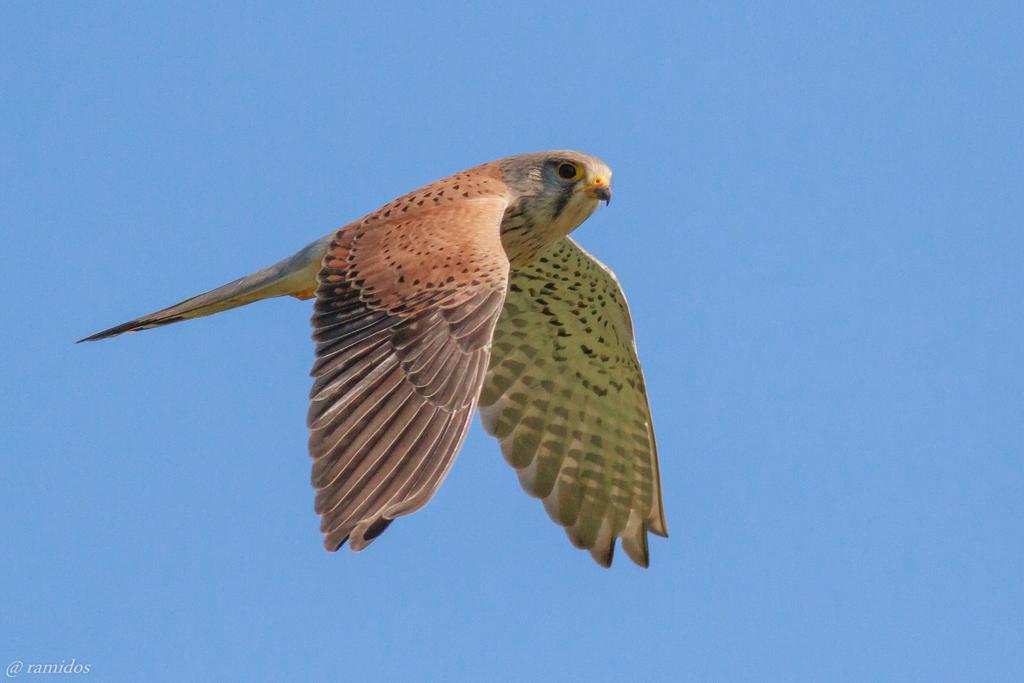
pixel 568 171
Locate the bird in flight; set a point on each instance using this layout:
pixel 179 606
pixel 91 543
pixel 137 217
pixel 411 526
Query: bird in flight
pixel 468 292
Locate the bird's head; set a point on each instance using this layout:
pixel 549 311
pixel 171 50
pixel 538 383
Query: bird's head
pixel 552 194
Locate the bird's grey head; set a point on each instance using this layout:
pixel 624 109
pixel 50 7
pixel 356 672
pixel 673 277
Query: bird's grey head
pixel 552 194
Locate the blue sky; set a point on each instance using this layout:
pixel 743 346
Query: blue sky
pixel 818 220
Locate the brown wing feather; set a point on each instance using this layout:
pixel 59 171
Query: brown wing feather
pixel 565 396
pixel 406 306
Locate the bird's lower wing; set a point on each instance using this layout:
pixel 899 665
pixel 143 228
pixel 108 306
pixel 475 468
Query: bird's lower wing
pixel 566 398
pixel 404 315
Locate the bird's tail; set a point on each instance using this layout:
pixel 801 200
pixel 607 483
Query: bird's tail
pixel 295 276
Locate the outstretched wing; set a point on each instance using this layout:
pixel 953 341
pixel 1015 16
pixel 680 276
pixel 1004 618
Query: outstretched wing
pixel 565 396
pixel 405 311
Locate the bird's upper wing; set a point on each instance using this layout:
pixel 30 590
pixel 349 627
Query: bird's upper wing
pixel 566 398
pixel 405 310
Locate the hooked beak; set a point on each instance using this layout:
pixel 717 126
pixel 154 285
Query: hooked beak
pixel 600 189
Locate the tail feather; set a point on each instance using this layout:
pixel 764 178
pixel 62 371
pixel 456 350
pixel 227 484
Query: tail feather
pixel 295 275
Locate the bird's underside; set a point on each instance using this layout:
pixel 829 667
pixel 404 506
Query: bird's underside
pixel 418 318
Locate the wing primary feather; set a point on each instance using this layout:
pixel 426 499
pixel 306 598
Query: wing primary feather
pixel 354 351
pixel 322 411
pixel 345 451
pixel 358 327
pixel 364 508
pixel 426 380
pixel 334 380
pixel 415 359
pixel 326 351
pixel 359 459
pixel 420 451
pixel 429 477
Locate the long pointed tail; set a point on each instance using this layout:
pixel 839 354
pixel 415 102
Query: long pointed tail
pixel 295 276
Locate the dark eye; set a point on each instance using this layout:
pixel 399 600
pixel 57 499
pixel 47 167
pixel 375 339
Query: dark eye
pixel 567 171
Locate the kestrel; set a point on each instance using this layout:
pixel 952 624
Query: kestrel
pixel 469 291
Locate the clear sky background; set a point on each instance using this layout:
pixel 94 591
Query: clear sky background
pixel 819 221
